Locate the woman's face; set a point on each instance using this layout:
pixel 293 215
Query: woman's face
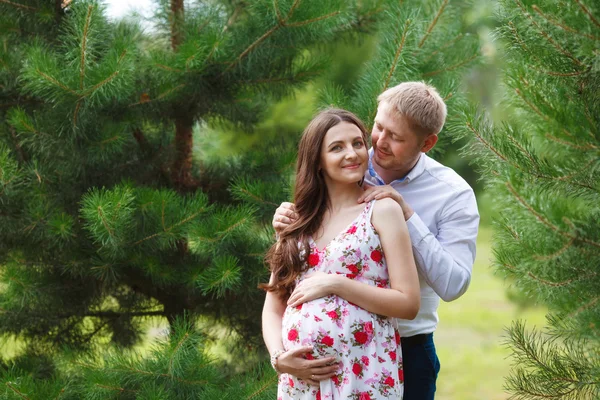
pixel 344 157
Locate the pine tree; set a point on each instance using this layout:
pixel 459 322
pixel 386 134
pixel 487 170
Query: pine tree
pixel 107 217
pixel 542 166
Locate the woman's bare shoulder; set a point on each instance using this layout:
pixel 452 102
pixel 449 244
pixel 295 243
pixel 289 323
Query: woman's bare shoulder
pixel 387 212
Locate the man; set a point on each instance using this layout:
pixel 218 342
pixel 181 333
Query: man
pixel 440 211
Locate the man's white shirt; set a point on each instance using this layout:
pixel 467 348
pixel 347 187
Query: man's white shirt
pixel 443 231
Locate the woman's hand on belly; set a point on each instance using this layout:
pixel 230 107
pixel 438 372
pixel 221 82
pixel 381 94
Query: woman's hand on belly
pixel 314 286
pixel 312 371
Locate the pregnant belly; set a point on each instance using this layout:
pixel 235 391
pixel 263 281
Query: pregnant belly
pixel 331 325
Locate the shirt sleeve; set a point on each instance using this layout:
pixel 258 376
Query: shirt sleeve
pixel 445 260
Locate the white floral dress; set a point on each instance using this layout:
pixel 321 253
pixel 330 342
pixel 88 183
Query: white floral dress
pixel 367 344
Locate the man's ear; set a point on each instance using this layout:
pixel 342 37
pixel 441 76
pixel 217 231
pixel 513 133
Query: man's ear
pixel 429 142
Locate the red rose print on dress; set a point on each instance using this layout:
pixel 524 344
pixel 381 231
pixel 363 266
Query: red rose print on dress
pixel 389 381
pixel 353 268
pixel 365 360
pixel 327 341
pixel 382 283
pixel 376 256
pixel 392 355
pixel 333 314
pixel 361 337
pixel 313 259
pixel 358 395
pixel 292 335
pixel 352 230
pixel 336 380
pixel 368 328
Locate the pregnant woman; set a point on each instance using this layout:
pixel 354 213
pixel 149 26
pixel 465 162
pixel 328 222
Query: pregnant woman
pixel 338 275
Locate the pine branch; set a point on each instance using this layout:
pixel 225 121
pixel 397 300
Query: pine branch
pixel 57 83
pixel 588 146
pixel 142 372
pixel 583 308
pixel 172 358
pixel 555 254
pixel 588 13
pixel 100 84
pixel 14 389
pixel 84 45
pixel 310 21
pixel 281 23
pixel 119 389
pixel 561 25
pixel 264 387
pixel 289 79
pixel 20 152
pixel 160 96
pixel 445 46
pixel 76 112
pixel 167 230
pixel 397 55
pixel 547 36
pixel 549 283
pixel 546 222
pixel 11 3
pixel 452 67
pixel 433 23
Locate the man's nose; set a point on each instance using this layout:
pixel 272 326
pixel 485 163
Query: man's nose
pixel 382 140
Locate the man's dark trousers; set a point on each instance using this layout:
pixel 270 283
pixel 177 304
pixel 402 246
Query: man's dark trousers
pixel 421 367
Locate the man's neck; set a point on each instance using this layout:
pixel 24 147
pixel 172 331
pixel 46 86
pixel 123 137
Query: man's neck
pixel 390 175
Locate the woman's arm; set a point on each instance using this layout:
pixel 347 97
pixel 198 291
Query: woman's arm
pixel 292 361
pixel 403 299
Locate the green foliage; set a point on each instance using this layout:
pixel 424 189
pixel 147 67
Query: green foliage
pixel 174 368
pixel 542 167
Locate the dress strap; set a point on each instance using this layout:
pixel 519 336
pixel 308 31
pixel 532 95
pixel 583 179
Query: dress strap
pixel 370 207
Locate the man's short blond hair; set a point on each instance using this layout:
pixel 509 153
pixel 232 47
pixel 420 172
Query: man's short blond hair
pixel 420 103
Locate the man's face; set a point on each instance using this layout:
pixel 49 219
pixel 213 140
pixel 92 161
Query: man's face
pixel 395 146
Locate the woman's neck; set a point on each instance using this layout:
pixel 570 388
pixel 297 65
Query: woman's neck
pixel 343 195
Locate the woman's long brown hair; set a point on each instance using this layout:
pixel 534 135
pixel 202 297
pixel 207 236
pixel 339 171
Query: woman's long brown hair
pixel 286 258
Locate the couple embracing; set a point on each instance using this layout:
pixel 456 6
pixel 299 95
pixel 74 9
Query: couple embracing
pixel 374 239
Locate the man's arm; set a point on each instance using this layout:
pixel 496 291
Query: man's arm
pixel 446 260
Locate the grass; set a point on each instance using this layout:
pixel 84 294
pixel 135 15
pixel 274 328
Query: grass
pixel 470 335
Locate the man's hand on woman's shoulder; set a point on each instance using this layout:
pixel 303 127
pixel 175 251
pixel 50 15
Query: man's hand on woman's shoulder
pixel 386 191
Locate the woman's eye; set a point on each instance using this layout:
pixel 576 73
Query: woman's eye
pixel 358 145
pixel 336 148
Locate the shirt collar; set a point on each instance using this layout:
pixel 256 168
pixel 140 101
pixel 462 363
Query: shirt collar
pixel 412 174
